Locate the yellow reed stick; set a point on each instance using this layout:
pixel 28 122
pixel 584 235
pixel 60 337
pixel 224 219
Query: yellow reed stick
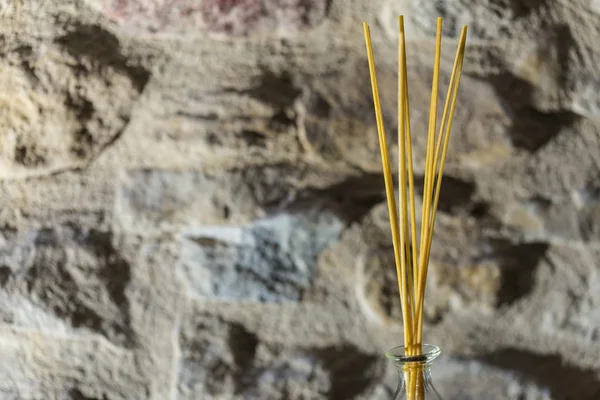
pixel 404 243
pixel 389 186
pixel 428 184
pixel 429 172
pixel 412 256
pixel 412 245
pixel 450 99
pixel 411 184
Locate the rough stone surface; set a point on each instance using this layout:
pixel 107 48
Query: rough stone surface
pixel 232 17
pixel 223 359
pixel 65 101
pixel 60 278
pixel 192 207
pixel 272 260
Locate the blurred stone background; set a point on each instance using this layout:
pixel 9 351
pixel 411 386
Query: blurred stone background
pixel 191 202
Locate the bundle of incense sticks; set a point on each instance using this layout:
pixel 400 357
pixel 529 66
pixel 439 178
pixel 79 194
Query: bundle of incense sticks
pixel 412 252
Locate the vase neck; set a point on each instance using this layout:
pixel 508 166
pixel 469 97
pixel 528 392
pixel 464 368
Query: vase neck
pixel 423 371
pixel 416 384
pixel 411 369
pixel 419 368
pixel 421 358
pixel 414 368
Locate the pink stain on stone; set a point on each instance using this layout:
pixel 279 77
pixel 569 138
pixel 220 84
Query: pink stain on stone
pixel 232 17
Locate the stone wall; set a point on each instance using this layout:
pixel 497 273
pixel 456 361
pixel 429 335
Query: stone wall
pixel 192 204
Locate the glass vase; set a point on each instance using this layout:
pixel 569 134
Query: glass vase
pixel 414 373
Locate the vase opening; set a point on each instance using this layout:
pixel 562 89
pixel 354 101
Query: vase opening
pixel 414 372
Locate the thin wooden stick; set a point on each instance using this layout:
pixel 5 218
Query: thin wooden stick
pixel 404 242
pixel 429 173
pixel 404 147
pixel 389 187
pixel 428 180
pixel 412 256
pixel 451 88
pixel 411 180
pixel 450 103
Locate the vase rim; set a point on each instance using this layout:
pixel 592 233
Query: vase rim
pixel 398 354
